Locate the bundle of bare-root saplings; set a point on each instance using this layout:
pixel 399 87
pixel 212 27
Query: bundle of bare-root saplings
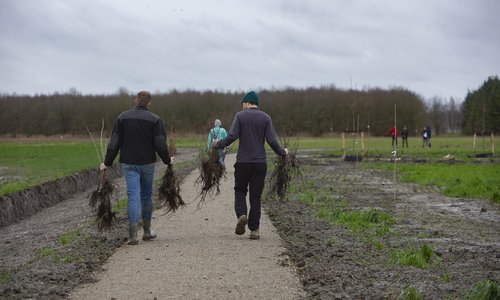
pixel 285 168
pixel 100 198
pixel 211 173
pixel 100 203
pixel 169 192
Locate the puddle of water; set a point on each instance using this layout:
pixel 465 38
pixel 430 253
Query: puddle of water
pixel 465 209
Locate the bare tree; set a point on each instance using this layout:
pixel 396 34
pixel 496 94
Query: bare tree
pixel 437 115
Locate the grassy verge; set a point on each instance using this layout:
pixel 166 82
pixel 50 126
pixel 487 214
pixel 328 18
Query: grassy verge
pixel 28 163
pixel 455 180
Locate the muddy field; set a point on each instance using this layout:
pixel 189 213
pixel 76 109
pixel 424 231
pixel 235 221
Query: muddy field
pixel 333 263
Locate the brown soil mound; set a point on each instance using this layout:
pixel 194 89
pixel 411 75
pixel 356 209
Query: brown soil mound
pixel 22 204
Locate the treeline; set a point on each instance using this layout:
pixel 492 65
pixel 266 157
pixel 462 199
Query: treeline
pixel 481 108
pixel 311 111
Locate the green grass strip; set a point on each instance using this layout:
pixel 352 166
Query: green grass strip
pixel 33 163
pixel 410 293
pixel 416 257
pixel 484 290
pixel 464 180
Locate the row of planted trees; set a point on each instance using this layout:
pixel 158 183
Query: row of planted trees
pixel 311 111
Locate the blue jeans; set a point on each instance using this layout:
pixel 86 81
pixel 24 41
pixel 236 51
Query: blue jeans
pixel 139 181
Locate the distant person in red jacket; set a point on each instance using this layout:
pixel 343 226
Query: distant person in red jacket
pixel 394 134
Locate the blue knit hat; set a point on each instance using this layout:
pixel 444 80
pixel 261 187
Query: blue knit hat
pixel 251 97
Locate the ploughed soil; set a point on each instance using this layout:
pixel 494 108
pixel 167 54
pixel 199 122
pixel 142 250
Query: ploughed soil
pixel 336 263
pixel 50 253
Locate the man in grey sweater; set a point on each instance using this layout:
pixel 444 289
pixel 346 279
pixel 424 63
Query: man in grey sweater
pixel 252 127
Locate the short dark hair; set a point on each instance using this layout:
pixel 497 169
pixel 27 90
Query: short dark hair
pixel 143 98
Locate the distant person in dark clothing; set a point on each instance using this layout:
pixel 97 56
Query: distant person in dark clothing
pixel 404 136
pixel 138 135
pixel 252 127
pixel 394 134
pixel 429 134
pixel 425 139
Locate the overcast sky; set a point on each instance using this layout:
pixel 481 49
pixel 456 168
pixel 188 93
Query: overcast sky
pixel 437 48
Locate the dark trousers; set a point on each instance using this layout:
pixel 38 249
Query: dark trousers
pixel 249 177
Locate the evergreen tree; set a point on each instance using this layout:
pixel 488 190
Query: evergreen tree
pixel 481 108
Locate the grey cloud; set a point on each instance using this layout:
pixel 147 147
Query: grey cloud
pixel 433 47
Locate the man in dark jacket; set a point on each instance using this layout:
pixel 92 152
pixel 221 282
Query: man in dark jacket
pixel 404 136
pixel 429 135
pixel 252 127
pixel 138 135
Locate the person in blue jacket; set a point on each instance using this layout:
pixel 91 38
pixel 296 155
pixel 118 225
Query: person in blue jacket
pixel 217 133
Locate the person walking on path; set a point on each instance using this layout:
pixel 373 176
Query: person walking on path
pixel 252 127
pixel 429 134
pixel 138 135
pixel 217 133
pixel 404 136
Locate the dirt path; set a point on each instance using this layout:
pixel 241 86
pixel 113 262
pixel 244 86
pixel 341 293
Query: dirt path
pixel 197 255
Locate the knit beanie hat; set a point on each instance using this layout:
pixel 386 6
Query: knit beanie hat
pixel 251 97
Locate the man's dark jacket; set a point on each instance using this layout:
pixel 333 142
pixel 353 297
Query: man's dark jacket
pixel 138 134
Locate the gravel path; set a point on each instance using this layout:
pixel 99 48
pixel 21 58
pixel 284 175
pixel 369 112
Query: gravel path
pixel 197 255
